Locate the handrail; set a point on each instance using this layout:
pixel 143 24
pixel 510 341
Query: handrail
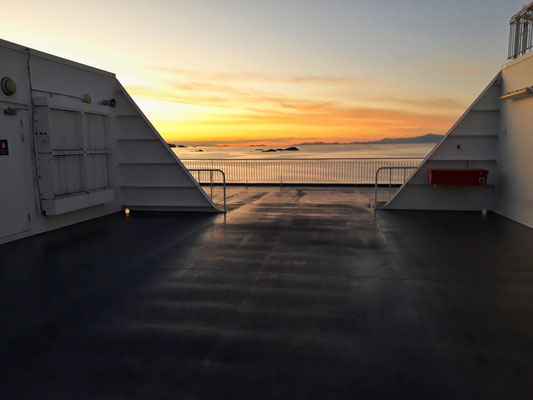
pixel 390 180
pixel 349 171
pixel 211 170
pixel 521 32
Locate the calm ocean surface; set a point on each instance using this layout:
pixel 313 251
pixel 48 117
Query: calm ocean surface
pixel 307 151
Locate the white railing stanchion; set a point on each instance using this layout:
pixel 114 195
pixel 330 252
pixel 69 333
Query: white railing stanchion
pixel 211 182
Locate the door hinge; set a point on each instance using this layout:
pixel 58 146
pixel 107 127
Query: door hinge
pixel 22 138
pixel 29 217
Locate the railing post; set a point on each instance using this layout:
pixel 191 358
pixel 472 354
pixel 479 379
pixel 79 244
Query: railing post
pixel 281 173
pixel 224 186
pixel 376 189
pixel 211 182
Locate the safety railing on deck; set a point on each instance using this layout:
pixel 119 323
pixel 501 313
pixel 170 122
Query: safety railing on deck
pixel 521 32
pixel 396 174
pixel 353 171
pixel 199 176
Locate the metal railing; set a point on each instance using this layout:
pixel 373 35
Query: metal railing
pixel 211 180
pixel 392 171
pixel 352 171
pixel 521 32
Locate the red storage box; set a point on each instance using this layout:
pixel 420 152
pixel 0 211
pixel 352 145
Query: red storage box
pixel 457 176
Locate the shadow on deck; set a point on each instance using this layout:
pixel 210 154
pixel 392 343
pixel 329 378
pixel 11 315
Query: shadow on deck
pixel 295 293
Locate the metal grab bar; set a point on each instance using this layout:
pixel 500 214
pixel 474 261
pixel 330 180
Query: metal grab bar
pixel 211 170
pixel 404 168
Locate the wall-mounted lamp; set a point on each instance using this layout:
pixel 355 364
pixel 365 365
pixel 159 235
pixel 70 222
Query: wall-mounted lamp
pixel 87 98
pixel 8 85
pixel 518 93
pixel 110 102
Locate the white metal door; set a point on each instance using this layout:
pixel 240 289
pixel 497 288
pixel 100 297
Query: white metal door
pixel 13 202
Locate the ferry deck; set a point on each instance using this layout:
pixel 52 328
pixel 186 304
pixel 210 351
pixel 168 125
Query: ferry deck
pixel 297 292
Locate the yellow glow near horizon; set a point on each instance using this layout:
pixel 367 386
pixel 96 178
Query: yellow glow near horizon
pixel 198 107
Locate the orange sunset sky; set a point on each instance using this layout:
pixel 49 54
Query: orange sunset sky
pixel 281 72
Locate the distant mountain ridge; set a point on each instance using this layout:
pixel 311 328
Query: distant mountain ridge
pixel 429 138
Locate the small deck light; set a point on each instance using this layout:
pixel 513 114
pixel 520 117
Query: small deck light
pixel 127 212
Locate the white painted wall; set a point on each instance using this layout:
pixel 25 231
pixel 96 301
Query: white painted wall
pixel 143 172
pixel 514 197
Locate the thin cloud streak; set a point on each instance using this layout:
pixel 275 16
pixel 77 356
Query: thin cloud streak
pixel 290 103
pixel 457 70
pixel 252 142
pixel 440 103
pixel 214 75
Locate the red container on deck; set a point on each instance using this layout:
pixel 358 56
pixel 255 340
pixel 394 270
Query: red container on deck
pixel 457 176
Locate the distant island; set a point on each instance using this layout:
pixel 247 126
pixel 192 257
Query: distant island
pixel 429 138
pixel 274 150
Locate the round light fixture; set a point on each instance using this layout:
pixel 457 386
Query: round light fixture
pixel 8 85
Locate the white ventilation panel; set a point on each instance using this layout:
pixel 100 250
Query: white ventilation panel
pixel 72 154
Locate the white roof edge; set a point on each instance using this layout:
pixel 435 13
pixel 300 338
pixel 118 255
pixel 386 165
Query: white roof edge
pixel 40 54
pixel 517 60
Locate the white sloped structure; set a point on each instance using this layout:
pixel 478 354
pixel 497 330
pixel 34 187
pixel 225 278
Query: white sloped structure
pixel 74 146
pixel 495 134
pixel 472 143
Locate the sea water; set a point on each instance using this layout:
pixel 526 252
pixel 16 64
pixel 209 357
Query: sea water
pixel 311 164
pixel 307 151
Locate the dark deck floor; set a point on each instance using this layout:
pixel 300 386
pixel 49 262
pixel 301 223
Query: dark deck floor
pixel 297 293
